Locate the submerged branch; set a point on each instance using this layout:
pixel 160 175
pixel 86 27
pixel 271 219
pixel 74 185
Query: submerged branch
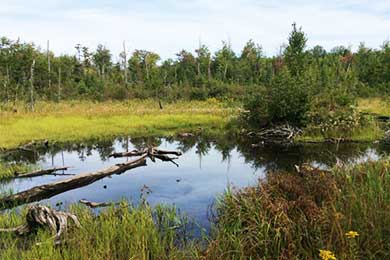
pixel 50 171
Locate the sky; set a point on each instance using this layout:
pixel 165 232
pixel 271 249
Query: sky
pixel 168 26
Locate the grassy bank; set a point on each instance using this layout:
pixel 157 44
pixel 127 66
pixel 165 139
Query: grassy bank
pixel 344 213
pixel 73 121
pixel 377 106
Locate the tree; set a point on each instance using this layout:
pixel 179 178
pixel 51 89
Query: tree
pixel 102 60
pixel 294 53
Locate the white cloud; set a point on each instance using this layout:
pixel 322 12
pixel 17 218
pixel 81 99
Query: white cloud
pixel 168 26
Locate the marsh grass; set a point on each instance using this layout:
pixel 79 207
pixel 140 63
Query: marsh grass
pixel 75 121
pixel 8 170
pixel 124 232
pixel 293 216
pixel 369 131
pixel 378 106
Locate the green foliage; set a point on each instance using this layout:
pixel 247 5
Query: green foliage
pixel 294 53
pixel 124 232
pixel 334 108
pixel 199 74
pixel 285 100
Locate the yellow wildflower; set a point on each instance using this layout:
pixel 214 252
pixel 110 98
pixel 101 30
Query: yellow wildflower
pixel 352 234
pixel 327 255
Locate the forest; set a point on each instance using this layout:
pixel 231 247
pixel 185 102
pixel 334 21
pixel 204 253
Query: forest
pixel 28 72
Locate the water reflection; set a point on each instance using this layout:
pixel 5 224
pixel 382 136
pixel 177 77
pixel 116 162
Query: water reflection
pixel 207 167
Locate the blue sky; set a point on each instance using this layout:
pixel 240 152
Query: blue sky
pixel 168 26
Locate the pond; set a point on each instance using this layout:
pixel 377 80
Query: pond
pixel 206 169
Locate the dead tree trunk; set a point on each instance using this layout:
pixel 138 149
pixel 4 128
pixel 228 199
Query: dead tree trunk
pixel 125 62
pixel 32 86
pixel 48 65
pixel 49 190
pixel 59 84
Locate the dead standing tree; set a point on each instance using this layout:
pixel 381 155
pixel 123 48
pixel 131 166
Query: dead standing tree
pixel 32 86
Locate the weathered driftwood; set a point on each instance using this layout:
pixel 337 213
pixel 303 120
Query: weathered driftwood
pixel 50 171
pixel 386 138
pixel 92 204
pixel 128 154
pixel 152 153
pixel 49 190
pixel 276 135
pixel 39 216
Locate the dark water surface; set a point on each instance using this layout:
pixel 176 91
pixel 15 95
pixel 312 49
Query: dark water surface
pixel 207 168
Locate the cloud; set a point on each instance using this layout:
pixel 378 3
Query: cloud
pixel 168 26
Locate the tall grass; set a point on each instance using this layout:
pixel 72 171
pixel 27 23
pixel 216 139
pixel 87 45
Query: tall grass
pixel 124 232
pixel 8 170
pixel 294 215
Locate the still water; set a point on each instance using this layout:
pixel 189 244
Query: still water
pixel 206 168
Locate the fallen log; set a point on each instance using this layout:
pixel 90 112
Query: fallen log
pixel 49 190
pixel 39 216
pixel 92 204
pixel 128 154
pixel 150 151
pixel 50 171
pixel 177 153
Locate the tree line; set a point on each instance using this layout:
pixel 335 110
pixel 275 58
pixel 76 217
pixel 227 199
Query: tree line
pixel 28 73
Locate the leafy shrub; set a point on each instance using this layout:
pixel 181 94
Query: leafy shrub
pixel 334 111
pixel 287 99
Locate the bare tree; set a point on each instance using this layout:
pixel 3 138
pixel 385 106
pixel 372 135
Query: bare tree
pixel 32 86
pixel 125 61
pixel 59 83
pixel 48 64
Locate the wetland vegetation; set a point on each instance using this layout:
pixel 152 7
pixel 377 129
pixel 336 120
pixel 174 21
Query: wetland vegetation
pixel 319 191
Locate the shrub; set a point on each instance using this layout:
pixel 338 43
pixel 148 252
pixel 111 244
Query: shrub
pixel 286 100
pixel 334 111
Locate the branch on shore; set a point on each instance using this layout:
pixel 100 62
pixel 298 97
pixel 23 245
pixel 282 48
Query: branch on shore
pixel 92 204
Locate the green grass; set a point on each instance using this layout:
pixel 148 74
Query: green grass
pixel 8 170
pixel 124 232
pixel 293 216
pixel 378 106
pixel 368 133
pixel 76 121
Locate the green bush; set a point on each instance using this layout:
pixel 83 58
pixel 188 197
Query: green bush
pixel 334 111
pixel 286 100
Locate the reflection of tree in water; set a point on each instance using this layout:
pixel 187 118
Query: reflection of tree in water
pixel 278 157
pixel 142 142
pixel 271 157
pixel 186 144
